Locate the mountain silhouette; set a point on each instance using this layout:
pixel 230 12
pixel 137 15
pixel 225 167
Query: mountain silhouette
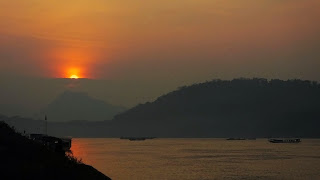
pixel 219 108
pixel 80 106
pixel 237 108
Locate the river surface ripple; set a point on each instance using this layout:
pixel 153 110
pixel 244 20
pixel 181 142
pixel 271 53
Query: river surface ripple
pixel 200 158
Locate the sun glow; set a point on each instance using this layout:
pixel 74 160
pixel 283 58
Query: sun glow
pixel 74 77
pixel 74 73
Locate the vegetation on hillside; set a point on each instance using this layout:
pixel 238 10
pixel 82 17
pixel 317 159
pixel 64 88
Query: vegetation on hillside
pixel 239 108
pixel 219 108
pixel 22 158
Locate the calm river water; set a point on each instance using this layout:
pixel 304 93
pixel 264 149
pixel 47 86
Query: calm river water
pixel 200 158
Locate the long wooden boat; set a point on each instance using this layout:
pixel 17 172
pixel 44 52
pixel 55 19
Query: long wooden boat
pixel 284 140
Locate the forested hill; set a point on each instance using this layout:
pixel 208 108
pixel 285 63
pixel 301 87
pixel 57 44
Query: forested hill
pixel 219 108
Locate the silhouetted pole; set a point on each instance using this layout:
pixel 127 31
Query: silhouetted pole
pixel 46 121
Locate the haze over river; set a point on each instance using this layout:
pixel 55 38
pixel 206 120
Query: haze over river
pixel 200 158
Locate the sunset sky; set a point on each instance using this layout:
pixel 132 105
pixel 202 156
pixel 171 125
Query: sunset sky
pixel 160 39
pixel 167 42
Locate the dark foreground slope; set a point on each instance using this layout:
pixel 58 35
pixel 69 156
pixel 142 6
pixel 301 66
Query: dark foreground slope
pixel 22 158
pixel 237 108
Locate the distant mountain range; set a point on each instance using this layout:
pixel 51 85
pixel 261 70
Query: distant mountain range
pixel 80 106
pixel 236 108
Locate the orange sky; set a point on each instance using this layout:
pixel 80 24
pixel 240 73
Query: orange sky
pixel 138 50
pixel 160 40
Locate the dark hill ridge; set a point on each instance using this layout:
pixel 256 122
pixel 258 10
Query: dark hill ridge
pixel 80 106
pixel 22 158
pixel 238 108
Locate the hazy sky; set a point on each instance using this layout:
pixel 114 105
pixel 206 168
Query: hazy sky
pixel 165 42
pixel 140 39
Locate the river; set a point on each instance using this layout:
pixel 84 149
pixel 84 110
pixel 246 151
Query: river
pixel 200 158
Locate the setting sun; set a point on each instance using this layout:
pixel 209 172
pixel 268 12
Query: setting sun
pixel 74 77
pixel 74 73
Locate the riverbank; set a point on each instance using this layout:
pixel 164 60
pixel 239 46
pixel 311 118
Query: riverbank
pixel 22 158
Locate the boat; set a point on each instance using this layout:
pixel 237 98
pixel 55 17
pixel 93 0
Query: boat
pixel 284 140
pixel 52 143
pixel 235 139
pixel 136 138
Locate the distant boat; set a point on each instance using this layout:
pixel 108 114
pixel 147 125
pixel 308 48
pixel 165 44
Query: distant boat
pixel 235 139
pixel 136 138
pixel 284 140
